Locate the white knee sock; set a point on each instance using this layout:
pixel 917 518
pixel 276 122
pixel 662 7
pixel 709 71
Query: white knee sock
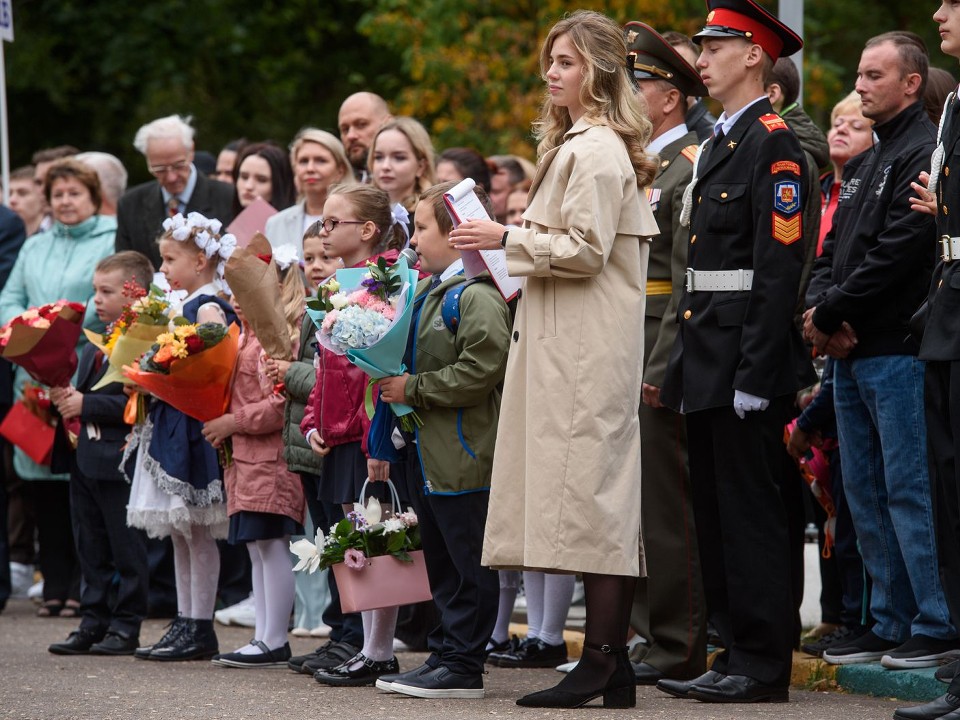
pixel 181 565
pixel 557 594
pixel 278 590
pixel 533 590
pixel 509 585
pixel 256 578
pixel 204 572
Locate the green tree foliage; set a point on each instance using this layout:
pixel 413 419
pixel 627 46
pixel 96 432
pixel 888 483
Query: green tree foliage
pixel 89 72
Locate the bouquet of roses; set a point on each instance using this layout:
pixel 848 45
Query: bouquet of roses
pixel 133 333
pixel 43 341
pixel 365 313
pixel 30 424
pixel 190 368
pixel 363 534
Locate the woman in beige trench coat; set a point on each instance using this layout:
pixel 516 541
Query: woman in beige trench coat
pixel 565 493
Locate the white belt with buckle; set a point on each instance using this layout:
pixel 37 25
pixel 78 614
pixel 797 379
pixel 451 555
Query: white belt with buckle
pixel 720 280
pixel 949 248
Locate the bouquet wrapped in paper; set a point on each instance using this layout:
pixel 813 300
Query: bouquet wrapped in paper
pixel 190 368
pixel 365 314
pixel 133 333
pixel 43 341
pixel 251 273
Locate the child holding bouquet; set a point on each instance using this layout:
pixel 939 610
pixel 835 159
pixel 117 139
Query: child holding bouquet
pixel 98 491
pixel 264 499
pixel 454 384
pixel 357 224
pixel 177 488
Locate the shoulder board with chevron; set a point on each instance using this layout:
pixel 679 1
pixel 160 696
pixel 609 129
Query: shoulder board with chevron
pixel 772 121
pixel 690 153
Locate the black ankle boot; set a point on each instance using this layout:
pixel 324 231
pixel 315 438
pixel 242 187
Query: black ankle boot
pixel 173 632
pixel 619 689
pixel 197 641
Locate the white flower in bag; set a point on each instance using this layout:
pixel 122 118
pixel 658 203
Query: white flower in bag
pixel 308 552
pixel 371 513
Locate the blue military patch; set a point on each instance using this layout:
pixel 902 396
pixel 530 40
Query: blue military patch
pixel 786 197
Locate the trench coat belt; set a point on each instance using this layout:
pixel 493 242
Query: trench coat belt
pixel 949 248
pixel 720 280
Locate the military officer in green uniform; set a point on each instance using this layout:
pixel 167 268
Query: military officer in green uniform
pixel 668 610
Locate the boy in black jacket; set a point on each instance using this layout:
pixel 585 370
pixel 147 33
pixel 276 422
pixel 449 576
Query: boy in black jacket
pixel 98 491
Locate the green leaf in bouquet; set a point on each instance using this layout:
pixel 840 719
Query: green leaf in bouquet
pixel 181 320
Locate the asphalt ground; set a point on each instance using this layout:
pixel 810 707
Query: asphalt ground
pixel 35 685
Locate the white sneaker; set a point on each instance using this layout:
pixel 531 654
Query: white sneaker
pixel 244 614
pixel 21 578
pixel 300 632
pixel 36 591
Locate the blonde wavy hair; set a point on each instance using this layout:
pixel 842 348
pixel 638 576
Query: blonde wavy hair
pixel 422 146
pixel 293 295
pixel 606 92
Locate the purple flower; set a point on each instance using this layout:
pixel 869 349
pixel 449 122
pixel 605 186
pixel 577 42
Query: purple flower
pixel 354 559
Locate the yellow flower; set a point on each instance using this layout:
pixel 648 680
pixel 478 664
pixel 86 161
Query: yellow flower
pixel 165 339
pixel 185 331
pixel 178 348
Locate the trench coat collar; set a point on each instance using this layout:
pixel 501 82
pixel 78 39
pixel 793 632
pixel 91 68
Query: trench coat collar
pixel 581 125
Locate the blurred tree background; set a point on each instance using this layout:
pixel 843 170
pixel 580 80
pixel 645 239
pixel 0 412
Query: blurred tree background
pixel 90 72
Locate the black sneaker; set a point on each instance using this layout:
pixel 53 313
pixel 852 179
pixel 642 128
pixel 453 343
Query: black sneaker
pixel 866 648
pixel 535 653
pixel 78 642
pixel 921 651
pixel 441 682
pixel 843 635
pixel 384 682
pixel 946 672
pixel 329 656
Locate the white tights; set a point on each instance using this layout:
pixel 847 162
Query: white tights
pixel 273 592
pixel 196 560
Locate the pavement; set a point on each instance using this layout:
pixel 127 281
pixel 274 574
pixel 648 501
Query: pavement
pixel 35 685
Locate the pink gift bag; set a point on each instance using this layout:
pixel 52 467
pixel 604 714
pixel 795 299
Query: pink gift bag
pixel 382 582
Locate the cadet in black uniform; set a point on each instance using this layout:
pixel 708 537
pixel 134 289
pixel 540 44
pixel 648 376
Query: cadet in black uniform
pixel 738 358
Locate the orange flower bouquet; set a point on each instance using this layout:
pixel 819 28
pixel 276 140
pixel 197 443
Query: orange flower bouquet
pixel 43 341
pixel 190 368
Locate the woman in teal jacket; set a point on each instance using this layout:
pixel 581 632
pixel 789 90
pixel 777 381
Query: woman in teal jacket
pixel 53 265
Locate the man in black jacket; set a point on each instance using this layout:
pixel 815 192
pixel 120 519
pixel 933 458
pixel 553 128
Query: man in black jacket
pixel 873 273
pixel 167 145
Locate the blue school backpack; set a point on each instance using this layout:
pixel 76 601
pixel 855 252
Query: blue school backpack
pixel 450 306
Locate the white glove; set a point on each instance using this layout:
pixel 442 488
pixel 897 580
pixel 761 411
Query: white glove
pixel 745 402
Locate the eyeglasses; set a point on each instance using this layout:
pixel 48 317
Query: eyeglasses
pixel 329 224
pixel 176 167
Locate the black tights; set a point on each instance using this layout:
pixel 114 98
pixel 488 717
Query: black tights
pixel 609 599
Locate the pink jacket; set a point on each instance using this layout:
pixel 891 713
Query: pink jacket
pixel 258 480
pixel 335 407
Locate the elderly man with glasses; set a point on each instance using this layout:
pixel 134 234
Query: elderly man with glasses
pixel 167 145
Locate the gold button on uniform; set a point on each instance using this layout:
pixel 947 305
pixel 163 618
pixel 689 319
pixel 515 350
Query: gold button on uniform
pixel 664 163
pixel 693 239
pixel 723 196
pixel 946 171
pixel 945 211
pixel 687 315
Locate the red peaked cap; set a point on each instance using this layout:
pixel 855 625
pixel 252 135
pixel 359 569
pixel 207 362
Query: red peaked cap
pixel 747 19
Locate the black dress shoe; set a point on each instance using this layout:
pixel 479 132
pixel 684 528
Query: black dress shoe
pixel 173 632
pixel 535 653
pixel 646 674
pixel 943 706
pixel 740 689
pixel 116 643
pixel 366 673
pixel 78 642
pixel 197 641
pixel 681 688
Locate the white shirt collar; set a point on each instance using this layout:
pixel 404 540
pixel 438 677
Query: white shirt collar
pixel 726 123
pixel 671 135
pixel 455 268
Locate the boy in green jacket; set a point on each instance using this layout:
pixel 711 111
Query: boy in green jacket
pixel 454 383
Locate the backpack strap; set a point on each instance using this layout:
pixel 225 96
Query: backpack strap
pixel 450 306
